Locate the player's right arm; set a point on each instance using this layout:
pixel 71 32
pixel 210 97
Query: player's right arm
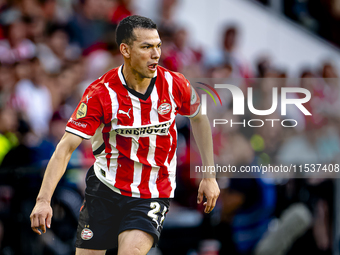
pixel 42 212
pixel 83 124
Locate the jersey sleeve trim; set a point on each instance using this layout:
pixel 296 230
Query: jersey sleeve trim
pixel 195 113
pixel 78 133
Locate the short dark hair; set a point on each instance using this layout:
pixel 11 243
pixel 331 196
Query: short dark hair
pixel 124 31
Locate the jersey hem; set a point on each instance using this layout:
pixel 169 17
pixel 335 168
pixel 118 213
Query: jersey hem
pixel 103 180
pixel 97 170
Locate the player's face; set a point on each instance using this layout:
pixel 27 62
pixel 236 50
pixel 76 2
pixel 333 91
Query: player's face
pixel 145 52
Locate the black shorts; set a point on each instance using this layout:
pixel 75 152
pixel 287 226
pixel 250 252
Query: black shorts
pixel 105 214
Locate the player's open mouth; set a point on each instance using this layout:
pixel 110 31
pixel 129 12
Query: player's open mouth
pixel 152 67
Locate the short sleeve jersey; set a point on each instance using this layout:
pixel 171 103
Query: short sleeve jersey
pixel 133 135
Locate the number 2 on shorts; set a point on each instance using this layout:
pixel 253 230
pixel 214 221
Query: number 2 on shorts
pixel 155 208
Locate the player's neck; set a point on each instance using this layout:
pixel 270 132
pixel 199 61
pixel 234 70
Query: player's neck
pixel 135 81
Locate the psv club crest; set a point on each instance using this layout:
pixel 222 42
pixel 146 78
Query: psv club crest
pixel 86 234
pixel 164 108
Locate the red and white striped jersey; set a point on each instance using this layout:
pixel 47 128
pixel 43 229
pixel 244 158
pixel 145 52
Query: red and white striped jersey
pixel 133 135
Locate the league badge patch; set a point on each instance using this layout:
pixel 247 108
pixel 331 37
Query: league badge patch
pixel 82 111
pixel 193 96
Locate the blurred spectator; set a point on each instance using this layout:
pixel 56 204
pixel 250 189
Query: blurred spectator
pixel 179 55
pixel 55 53
pixel 99 59
pixel 330 91
pixel 89 24
pixel 7 82
pixel 49 9
pixel 35 97
pixel 29 8
pixel 23 148
pixel 121 11
pixel 308 81
pixel 8 126
pixel 167 16
pixel 16 47
pixel 35 26
pixel 228 54
pixel 263 65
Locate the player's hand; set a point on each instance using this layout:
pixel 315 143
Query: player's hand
pixel 209 188
pixel 41 217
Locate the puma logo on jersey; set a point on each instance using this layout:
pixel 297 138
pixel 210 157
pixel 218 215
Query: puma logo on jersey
pixel 126 113
pixel 87 98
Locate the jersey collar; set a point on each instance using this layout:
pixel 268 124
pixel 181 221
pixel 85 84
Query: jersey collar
pixel 133 92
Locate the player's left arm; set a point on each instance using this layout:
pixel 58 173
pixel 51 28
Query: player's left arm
pixel 208 186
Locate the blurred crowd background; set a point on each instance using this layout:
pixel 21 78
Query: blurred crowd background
pixel 51 50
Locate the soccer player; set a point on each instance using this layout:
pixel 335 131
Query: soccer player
pixel 129 115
